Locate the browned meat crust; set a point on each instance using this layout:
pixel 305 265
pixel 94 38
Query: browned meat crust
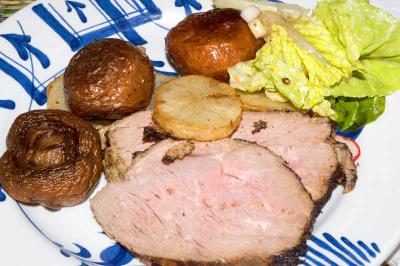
pixel 334 181
pixel 349 178
pixel 151 133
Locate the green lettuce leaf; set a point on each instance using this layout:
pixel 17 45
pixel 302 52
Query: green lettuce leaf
pixel 360 27
pixel 315 32
pixel 353 113
pixel 357 66
pixel 284 68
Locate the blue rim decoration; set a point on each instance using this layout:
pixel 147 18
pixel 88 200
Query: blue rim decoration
pixel 344 250
pixel 122 22
pixel 2 194
pixel 350 134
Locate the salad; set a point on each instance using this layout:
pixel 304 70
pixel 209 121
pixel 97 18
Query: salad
pixel 339 61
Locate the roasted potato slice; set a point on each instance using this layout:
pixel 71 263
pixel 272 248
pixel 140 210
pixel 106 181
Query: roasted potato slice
pixel 258 101
pixel 55 94
pixel 197 108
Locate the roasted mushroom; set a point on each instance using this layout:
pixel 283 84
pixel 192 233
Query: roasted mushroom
pixel 208 43
pixel 53 158
pixel 109 79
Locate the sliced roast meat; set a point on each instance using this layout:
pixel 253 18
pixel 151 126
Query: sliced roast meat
pixel 306 143
pixel 349 167
pixel 125 139
pixel 223 202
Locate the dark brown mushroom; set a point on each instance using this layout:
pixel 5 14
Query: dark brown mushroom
pixel 109 79
pixel 209 43
pixel 53 158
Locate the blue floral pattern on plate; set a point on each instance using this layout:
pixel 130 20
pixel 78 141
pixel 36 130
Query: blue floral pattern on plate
pixel 114 255
pixel 77 6
pixel 188 5
pixel 346 251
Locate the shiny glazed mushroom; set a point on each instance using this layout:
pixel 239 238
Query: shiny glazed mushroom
pixel 53 158
pixel 209 43
pixel 108 79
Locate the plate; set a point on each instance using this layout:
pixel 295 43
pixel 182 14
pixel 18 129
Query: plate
pixel 36 44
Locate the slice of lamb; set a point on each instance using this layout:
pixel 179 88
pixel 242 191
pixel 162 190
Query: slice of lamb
pixel 225 202
pixel 125 139
pixel 306 143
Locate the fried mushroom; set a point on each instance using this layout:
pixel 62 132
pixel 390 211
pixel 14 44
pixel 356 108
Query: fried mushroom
pixel 53 158
pixel 209 43
pixel 108 79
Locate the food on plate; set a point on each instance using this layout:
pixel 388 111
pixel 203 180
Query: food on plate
pixel 339 61
pixel 258 101
pixel 197 108
pixel 108 79
pixel 308 146
pixel 161 78
pixel 56 96
pixel 349 168
pixel 126 138
pixel 56 100
pixel 210 42
pixel 287 10
pixel 178 152
pixel 228 202
pixel 53 158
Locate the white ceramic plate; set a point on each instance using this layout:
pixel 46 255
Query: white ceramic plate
pixel 36 44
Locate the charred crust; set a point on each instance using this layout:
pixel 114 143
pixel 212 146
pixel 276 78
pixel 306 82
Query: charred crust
pixel 167 160
pixel 107 138
pixel 178 151
pixel 292 256
pixel 333 182
pixel 152 134
pixel 258 126
pixel 349 177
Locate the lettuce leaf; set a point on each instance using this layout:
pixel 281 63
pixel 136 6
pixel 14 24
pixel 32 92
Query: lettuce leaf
pixel 283 67
pixel 353 63
pixel 358 86
pixel 353 113
pixel 360 27
pixel 315 32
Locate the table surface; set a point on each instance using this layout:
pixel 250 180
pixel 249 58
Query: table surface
pixel 7 8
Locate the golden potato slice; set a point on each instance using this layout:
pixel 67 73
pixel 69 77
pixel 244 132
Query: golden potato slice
pixel 55 94
pixel 197 108
pixel 258 101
